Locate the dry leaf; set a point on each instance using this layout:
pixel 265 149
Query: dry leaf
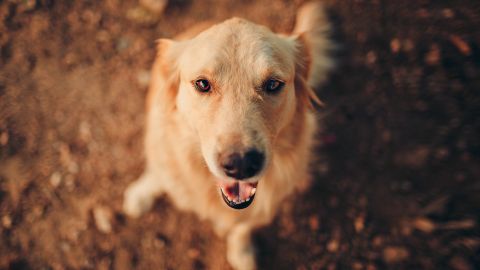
pixel 359 223
pixel 461 44
pixel 424 224
pixel 436 206
pixel 459 225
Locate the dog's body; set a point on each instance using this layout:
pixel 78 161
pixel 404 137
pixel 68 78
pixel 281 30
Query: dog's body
pixel 229 109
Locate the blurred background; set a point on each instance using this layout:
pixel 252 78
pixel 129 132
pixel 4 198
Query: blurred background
pixel 397 175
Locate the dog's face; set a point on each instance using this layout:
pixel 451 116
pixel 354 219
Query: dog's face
pixel 237 88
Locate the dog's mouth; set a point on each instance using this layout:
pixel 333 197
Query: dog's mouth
pixel 238 194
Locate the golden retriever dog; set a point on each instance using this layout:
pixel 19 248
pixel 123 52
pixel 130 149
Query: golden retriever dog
pixel 231 123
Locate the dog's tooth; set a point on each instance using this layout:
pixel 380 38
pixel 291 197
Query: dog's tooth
pixel 253 191
pixel 248 199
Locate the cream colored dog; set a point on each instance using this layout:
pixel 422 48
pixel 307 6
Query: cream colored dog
pixel 230 124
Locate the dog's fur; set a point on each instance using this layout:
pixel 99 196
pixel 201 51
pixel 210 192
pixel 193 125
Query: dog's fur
pixel 187 130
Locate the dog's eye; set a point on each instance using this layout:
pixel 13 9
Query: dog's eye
pixel 202 85
pixel 272 86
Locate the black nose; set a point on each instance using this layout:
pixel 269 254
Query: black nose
pixel 241 167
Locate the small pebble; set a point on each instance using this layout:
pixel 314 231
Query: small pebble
pixel 123 43
pixel 71 59
pixel 433 56
pixel 154 6
pixel 395 45
pixel 6 222
pixel 103 36
pixel 448 13
pixel 26 5
pixel 371 57
pixel 357 266
pixel 359 223
pixel 70 182
pixel 408 45
pixel 193 253
pixel 4 138
pixel 377 241
pixel 103 216
pixel 55 179
pixel 313 223
pixel 395 254
pixel 142 16
pixel 84 131
pixel 333 245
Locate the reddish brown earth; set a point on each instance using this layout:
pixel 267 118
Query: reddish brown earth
pixel 397 178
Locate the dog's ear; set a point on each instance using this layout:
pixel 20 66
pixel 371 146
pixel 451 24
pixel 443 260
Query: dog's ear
pixel 165 77
pixel 314 47
pixel 303 73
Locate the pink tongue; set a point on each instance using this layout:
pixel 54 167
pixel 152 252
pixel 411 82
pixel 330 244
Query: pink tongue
pixel 237 190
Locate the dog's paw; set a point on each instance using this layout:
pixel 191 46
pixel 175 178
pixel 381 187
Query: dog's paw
pixel 136 200
pixel 241 253
pixel 242 257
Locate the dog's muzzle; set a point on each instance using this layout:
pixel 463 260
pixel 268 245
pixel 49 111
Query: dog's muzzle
pixel 236 190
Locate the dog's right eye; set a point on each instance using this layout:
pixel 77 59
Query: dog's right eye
pixel 272 86
pixel 202 85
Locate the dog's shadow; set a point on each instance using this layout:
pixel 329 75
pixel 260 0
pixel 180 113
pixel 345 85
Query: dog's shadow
pixel 367 178
pixel 308 232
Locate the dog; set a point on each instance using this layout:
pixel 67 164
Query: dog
pixel 231 123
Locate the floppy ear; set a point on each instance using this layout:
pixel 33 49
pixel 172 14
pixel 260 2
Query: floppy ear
pixel 303 69
pixel 311 35
pixel 164 77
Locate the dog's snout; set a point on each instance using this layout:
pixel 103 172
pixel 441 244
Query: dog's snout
pixel 244 166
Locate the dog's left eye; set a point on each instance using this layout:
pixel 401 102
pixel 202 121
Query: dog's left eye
pixel 202 85
pixel 272 86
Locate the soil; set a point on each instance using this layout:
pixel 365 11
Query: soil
pixel 397 178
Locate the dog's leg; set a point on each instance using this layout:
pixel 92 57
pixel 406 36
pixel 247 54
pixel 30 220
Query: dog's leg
pixel 140 195
pixel 240 249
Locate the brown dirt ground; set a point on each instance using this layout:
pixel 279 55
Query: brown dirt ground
pixel 397 178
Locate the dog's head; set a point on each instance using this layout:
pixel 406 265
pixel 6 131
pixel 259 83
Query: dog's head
pixel 237 85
